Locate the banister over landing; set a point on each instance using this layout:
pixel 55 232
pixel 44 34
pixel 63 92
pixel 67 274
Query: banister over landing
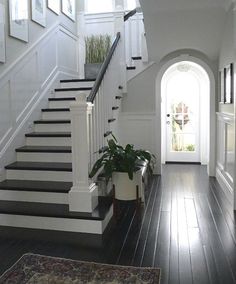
pixel 130 14
pixel 103 70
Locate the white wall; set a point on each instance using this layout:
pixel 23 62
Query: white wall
pixel 15 47
pixel 227 52
pixel 141 92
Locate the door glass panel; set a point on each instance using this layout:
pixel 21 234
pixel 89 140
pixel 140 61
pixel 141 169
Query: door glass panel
pixel 183 142
pixel 183 128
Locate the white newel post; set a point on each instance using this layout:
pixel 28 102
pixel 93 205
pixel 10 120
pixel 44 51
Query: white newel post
pixel 83 196
pixel 120 27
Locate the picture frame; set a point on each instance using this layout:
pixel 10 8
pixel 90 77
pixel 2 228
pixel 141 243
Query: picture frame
pixel 68 9
pixel 54 5
pixel 2 34
pixel 229 84
pixel 222 86
pixel 19 19
pixel 38 12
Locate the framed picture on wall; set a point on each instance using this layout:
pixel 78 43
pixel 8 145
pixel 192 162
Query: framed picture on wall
pixel 54 5
pixel 222 86
pixel 68 8
pixel 2 34
pixel 38 10
pixel 19 19
pixel 229 84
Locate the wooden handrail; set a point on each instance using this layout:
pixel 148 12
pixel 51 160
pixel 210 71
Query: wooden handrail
pixel 130 14
pixel 103 70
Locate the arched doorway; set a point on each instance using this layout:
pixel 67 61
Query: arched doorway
pixel 185 113
pixel 205 78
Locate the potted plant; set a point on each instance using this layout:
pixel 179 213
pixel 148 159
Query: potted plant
pixel 97 47
pixel 123 165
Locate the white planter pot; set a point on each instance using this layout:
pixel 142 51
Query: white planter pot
pixel 125 189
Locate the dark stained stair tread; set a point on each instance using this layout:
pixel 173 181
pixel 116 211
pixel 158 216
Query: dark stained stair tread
pixel 73 89
pixel 54 109
pixel 107 134
pixel 62 99
pixel 54 210
pixel 39 166
pixel 130 67
pixel 137 57
pixel 115 108
pixel 48 134
pixel 111 120
pixel 44 149
pixel 66 121
pixel 37 186
pixel 77 80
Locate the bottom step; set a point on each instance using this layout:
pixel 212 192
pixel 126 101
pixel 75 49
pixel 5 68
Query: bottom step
pixel 55 217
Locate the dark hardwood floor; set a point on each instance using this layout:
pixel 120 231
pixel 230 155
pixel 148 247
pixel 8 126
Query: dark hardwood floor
pixel 187 228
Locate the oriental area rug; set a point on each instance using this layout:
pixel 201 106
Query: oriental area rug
pixel 38 269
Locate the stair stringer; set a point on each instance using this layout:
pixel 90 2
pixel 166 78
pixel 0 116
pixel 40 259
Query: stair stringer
pixel 140 67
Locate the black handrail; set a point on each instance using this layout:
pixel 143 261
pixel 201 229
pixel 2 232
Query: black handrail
pixel 130 14
pixel 103 70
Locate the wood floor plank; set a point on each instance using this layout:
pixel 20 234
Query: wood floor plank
pixel 143 234
pixel 185 270
pixel 151 243
pixel 174 242
pixel 163 246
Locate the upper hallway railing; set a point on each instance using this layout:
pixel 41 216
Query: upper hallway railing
pixel 130 14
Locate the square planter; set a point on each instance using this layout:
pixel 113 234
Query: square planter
pixel 91 70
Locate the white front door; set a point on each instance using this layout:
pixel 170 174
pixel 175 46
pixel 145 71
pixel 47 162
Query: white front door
pixel 182 118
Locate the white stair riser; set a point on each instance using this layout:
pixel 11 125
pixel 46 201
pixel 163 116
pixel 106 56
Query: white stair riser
pixel 60 104
pixel 77 85
pixel 56 115
pixel 31 196
pixel 48 141
pixel 58 224
pixel 60 127
pixel 44 157
pixel 39 175
pixel 69 94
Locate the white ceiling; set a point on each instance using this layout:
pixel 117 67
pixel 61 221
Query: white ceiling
pixel 173 25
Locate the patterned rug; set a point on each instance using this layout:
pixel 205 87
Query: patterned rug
pixel 37 269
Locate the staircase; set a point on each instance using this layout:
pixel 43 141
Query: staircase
pixel 35 192
pixel 42 187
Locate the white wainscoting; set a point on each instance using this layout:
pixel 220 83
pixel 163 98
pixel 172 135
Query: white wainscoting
pixel 138 129
pixel 225 165
pixel 28 82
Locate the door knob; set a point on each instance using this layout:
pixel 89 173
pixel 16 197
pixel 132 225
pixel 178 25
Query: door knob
pixel 168 115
